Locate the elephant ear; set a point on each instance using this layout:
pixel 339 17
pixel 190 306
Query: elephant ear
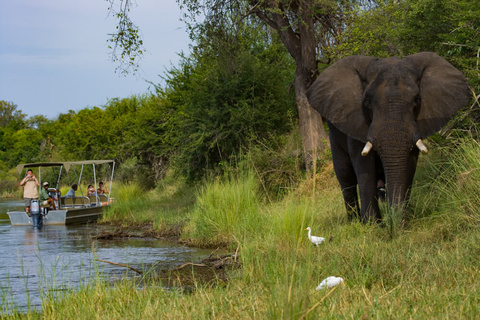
pixel 337 94
pixel 443 91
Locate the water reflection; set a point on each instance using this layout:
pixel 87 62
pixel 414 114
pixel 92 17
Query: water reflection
pixel 58 257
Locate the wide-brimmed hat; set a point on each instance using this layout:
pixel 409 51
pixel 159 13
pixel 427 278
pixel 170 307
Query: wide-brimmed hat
pixel 45 184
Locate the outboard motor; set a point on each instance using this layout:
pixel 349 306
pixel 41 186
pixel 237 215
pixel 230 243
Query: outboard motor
pixel 55 195
pixel 35 211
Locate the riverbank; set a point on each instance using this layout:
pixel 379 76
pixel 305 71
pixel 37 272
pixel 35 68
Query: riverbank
pixel 423 266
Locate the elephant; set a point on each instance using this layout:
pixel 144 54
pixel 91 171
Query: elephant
pixel 378 111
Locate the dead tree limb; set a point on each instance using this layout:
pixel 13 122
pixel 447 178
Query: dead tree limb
pixel 121 265
pixel 190 264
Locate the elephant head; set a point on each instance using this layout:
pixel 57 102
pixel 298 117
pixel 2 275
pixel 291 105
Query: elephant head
pixel 390 105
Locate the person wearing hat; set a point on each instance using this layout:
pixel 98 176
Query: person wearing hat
pixel 44 199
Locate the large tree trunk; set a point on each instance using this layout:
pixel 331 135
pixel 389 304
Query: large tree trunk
pixel 312 130
pixel 300 40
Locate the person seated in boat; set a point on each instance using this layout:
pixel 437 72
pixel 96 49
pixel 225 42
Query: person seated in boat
pixel 102 189
pixel 45 200
pixel 71 192
pixel 29 184
pixel 91 191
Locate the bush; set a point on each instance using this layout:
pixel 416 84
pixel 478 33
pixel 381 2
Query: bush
pixel 8 188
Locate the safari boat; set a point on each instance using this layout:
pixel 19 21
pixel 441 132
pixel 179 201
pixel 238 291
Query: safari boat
pixel 70 210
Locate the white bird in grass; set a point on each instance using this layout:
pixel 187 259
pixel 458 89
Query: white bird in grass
pixel 315 240
pixel 329 282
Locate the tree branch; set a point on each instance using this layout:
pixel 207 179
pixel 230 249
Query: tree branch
pixel 281 24
pixel 121 265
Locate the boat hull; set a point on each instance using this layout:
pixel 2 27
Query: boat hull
pixel 67 216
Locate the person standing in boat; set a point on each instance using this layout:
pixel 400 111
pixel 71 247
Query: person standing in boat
pixel 30 192
pixel 45 200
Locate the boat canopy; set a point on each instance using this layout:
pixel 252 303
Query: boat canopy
pixel 66 164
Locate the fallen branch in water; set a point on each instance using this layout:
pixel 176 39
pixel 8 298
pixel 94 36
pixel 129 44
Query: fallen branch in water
pixel 190 264
pixel 116 264
pixel 121 265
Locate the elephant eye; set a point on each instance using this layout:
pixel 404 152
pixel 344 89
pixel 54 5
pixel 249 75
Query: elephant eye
pixel 367 103
pixel 418 100
pixel 367 110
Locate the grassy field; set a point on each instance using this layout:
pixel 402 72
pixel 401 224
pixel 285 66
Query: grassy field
pixel 425 266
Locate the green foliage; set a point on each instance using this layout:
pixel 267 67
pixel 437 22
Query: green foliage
pixel 8 188
pixel 227 94
pixel 448 27
pixel 277 161
pixel 15 134
pixel 127 130
pixel 10 116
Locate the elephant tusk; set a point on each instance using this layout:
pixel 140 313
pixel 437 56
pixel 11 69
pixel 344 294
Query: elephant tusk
pixel 367 148
pixel 421 146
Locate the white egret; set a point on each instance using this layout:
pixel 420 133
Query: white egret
pixel 315 240
pixel 329 282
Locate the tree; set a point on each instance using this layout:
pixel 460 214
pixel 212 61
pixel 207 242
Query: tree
pixel 232 90
pixel 11 121
pixel 307 28
pixel 10 115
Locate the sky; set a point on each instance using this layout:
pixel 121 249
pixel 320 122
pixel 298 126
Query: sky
pixel 54 55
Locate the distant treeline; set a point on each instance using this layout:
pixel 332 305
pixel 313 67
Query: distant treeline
pixel 232 96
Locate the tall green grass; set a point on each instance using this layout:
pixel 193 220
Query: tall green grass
pixel 130 206
pixel 165 208
pixel 226 211
pixel 447 187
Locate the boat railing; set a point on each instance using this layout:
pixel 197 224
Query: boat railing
pixel 75 202
pixel 99 200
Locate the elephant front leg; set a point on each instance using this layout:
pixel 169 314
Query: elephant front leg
pixel 348 183
pixel 367 176
pixel 342 164
pixel 370 211
pixel 352 205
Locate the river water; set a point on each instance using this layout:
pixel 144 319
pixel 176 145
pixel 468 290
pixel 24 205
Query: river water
pixel 58 258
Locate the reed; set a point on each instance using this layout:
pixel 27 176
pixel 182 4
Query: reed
pixel 446 191
pixel 131 206
pixel 225 211
pixel 166 208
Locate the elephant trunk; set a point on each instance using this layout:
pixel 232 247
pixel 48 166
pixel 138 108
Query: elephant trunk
pixel 396 179
pixel 394 140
